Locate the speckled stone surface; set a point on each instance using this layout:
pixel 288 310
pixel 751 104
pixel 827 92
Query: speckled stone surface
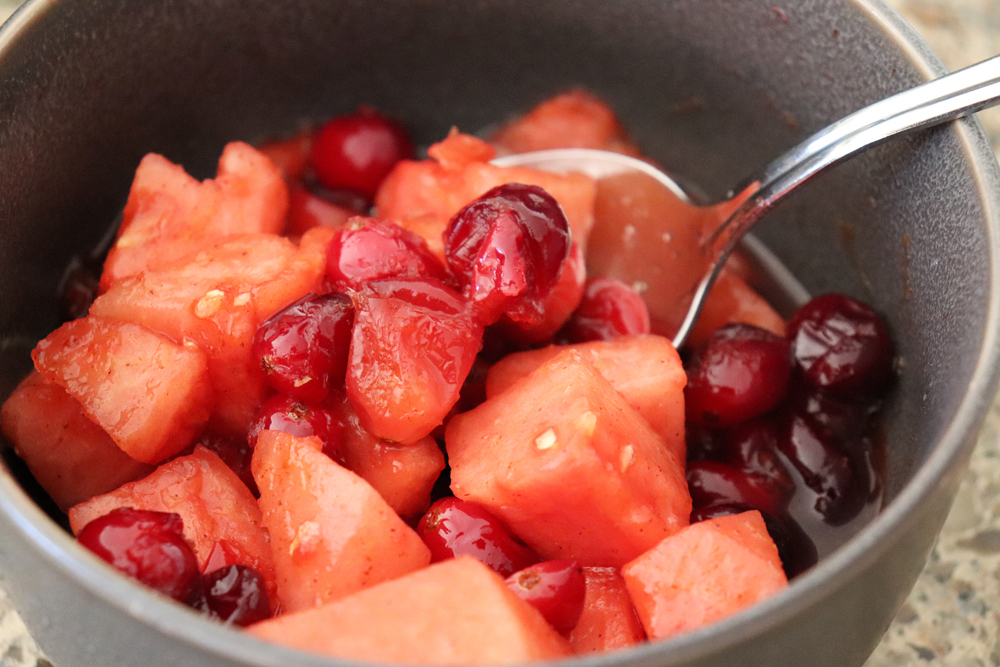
pixel 952 617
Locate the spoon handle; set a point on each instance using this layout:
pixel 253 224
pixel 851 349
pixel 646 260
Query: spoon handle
pixel 952 96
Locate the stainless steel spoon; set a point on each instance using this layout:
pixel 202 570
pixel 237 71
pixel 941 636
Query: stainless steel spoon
pixel 952 96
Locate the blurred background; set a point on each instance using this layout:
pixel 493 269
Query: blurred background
pixel 952 617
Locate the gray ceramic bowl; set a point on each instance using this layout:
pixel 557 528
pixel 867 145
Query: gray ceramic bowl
pixel 711 88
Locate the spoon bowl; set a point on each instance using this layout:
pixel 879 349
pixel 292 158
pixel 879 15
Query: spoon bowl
pixel 676 295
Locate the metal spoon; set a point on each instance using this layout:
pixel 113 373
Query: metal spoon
pixel 952 96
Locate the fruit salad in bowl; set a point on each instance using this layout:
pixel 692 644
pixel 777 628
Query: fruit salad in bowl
pixel 322 388
pixel 338 388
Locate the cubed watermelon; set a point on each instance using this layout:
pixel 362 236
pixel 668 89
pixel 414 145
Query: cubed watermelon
pixel 152 395
pixel 218 511
pixel 608 621
pixel 569 466
pixel 69 455
pixel 169 214
pixel 732 300
pixel 709 570
pixel 331 533
pixel 645 369
pixel 457 612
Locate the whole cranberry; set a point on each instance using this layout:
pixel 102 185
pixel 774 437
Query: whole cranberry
pixel 303 348
pixel 507 249
pixel 554 587
pixel 454 527
pixel 740 372
pixel 234 594
pixel 824 469
pixel 285 414
pixel 713 483
pixel 147 546
pixel 840 345
pixel 752 446
pixel 370 249
pixel 356 151
pixel 609 309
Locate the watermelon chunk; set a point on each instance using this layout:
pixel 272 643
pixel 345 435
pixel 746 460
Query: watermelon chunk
pixel 457 612
pixel 219 512
pixel 732 300
pixel 708 571
pixel 150 394
pixel 423 196
pixel 575 119
pixel 70 456
pixel 169 214
pixel 569 466
pixel 331 532
pixel 609 620
pixel 645 369
pixel 404 475
pixel 216 299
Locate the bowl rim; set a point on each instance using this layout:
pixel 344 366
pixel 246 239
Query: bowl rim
pixel 949 457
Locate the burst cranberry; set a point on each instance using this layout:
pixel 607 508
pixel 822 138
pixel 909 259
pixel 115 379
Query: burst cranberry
pixel 841 345
pixel 355 152
pixel 824 469
pixel 148 546
pixel 453 527
pixel 235 453
pixel 285 414
pixel 507 249
pixel 369 249
pixel 713 483
pixel 235 594
pixel 413 345
pixel 554 587
pixel 303 348
pixel 752 447
pixel 609 309
pixel 740 372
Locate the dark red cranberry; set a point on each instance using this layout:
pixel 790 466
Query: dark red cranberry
pixel 609 309
pixel 824 469
pixel 740 372
pixel 796 550
pixel 453 527
pixel 841 345
pixel 355 152
pixel 712 483
pixel 507 249
pixel 837 417
pixel 235 453
pixel 752 446
pixel 369 249
pixel 148 546
pixel 303 348
pixel 285 414
pixel 554 587
pixel 306 210
pixel 235 594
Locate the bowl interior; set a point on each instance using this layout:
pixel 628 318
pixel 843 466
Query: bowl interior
pixel 712 89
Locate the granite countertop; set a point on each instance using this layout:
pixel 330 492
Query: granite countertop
pixel 952 617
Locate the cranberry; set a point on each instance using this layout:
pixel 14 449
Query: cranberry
pixel 740 372
pixel 453 527
pixel 306 210
pixel 712 483
pixel 233 594
pixel 369 249
pixel 355 152
pixel 609 309
pixel 825 470
pixel 554 587
pixel 148 546
pixel 836 417
pixel 752 447
pixel 841 345
pixel 235 453
pixel 303 348
pixel 508 248
pixel 285 414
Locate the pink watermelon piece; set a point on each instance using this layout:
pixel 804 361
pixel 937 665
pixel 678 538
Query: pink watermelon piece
pixel 608 621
